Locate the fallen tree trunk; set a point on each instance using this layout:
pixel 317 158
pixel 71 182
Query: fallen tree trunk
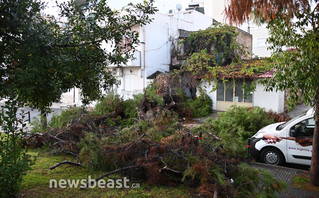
pixel 169 170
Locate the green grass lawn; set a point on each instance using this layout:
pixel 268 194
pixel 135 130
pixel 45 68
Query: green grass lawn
pixel 36 182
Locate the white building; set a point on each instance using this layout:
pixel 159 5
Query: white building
pixel 154 53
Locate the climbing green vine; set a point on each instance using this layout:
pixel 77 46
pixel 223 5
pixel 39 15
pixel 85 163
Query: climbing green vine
pixel 214 53
pixel 219 41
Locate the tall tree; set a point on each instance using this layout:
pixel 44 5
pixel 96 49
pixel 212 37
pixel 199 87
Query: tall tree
pixel 41 57
pixel 294 41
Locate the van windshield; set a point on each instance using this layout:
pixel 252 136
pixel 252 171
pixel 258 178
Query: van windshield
pixel 283 125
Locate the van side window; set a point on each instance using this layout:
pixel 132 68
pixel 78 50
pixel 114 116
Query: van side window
pixel 304 128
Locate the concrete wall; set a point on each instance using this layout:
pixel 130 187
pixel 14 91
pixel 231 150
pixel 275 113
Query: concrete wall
pixel 271 100
pixel 72 97
pixel 131 83
pixel 245 39
pixel 209 89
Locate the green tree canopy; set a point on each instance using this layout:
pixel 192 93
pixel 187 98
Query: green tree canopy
pixel 42 57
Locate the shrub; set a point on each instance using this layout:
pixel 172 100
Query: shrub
pixel 234 127
pixel 201 106
pixel 66 116
pixel 14 161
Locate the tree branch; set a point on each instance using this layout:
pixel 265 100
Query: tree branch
pixel 65 162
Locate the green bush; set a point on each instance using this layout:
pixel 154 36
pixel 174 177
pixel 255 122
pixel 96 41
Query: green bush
pixel 14 161
pixel 201 106
pixel 234 127
pixel 66 116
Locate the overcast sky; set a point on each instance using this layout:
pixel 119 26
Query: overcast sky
pixel 163 5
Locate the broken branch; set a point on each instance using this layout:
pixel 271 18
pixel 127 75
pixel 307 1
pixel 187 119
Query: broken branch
pixel 65 162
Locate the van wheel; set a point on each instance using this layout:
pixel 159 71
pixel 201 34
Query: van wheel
pixel 272 156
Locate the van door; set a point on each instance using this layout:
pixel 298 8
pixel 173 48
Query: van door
pixel 299 142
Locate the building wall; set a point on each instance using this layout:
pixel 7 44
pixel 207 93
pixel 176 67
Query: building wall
pixel 245 39
pixel 157 45
pixel 270 100
pixel 260 35
pixel 209 90
pixel 131 83
pixel 162 31
pixel 72 97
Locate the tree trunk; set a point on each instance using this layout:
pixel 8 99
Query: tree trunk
pixel 314 172
pixel 44 123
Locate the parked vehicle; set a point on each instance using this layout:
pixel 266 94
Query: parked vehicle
pixel 283 142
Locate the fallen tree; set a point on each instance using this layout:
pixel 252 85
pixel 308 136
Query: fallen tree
pixel 156 149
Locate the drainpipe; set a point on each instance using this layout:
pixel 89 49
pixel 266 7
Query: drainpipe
pixel 143 61
pixel 73 95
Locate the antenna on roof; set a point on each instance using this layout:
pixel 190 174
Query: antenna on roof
pixel 178 7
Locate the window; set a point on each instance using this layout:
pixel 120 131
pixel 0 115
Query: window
pixel 233 91
pixel 239 94
pixel 304 128
pixel 220 91
pixel 229 91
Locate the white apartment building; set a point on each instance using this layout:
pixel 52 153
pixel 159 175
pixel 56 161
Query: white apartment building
pixel 154 53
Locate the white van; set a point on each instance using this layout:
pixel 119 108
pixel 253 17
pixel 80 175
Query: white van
pixel 283 142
